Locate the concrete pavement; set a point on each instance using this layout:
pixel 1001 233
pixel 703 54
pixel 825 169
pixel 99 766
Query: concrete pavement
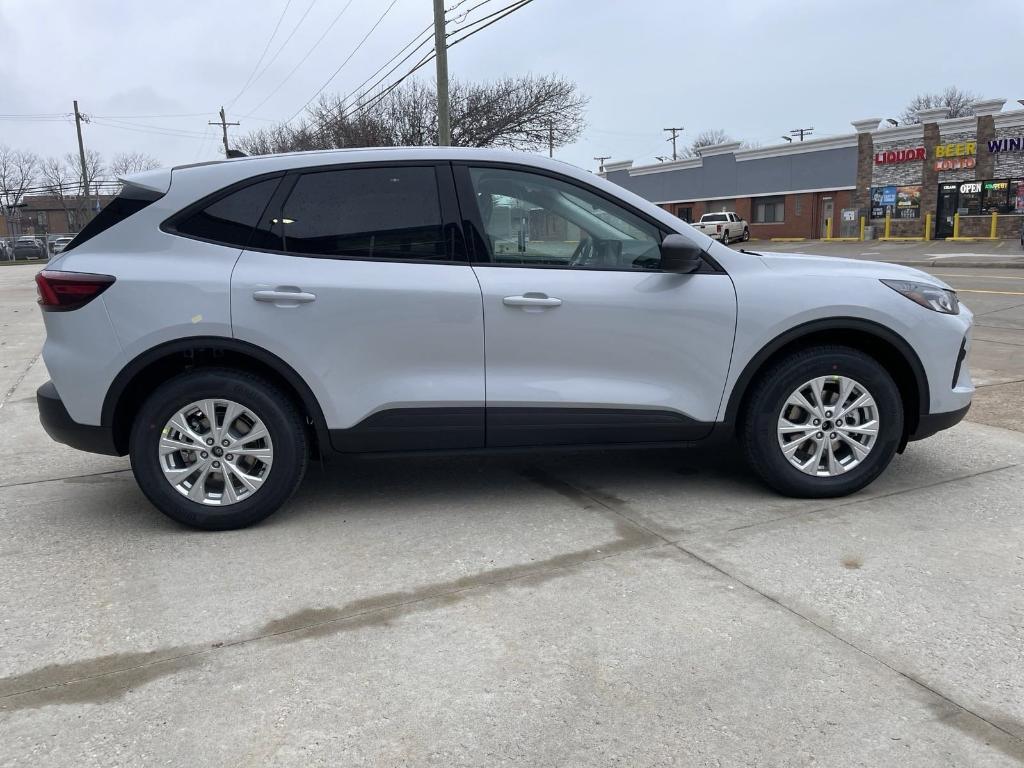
pixel 620 608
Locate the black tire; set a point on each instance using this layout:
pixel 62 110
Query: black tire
pixel 759 426
pixel 746 235
pixel 273 407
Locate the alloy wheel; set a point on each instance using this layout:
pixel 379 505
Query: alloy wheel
pixel 216 452
pixel 828 426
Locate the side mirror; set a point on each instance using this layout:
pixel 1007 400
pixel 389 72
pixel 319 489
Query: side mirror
pixel 680 255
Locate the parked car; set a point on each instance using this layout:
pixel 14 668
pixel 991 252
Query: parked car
pixel 60 243
pixel 29 248
pixel 725 226
pixel 226 323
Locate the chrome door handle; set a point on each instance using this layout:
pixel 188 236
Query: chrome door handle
pixel 289 297
pixel 531 300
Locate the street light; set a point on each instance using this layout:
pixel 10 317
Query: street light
pixel 788 138
pixel 892 122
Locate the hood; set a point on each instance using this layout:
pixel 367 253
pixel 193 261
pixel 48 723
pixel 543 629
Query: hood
pixel 832 266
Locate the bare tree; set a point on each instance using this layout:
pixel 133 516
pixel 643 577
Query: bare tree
pixel 523 113
pixel 707 138
pixel 125 163
pixel 18 172
pixel 956 102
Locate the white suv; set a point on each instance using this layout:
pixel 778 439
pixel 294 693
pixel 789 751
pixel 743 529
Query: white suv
pixel 223 323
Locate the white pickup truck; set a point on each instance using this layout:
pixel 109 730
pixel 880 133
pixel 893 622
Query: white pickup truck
pixel 724 226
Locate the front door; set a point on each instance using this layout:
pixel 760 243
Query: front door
pixel 586 340
pixel 945 210
pixel 827 214
pixel 359 282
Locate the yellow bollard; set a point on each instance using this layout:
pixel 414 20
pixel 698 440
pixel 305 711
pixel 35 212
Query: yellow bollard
pixel 888 221
pixel 828 229
pixel 861 227
pixel 992 231
pixel 956 226
pixel 927 226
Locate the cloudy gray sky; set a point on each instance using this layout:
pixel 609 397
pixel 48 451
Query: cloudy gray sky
pixel 152 72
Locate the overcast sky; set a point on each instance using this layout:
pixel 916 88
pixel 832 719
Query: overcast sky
pixel 754 69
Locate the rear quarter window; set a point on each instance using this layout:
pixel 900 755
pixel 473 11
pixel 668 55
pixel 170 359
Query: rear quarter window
pixel 129 201
pixel 232 217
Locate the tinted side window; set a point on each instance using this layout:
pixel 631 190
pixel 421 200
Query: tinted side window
pixel 230 220
pixel 366 213
pixel 129 201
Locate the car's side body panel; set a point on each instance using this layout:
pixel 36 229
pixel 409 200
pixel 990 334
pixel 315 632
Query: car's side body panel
pixel 379 335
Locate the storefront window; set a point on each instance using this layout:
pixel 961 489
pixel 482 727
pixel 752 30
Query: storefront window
pixel 970 199
pixel 994 198
pixel 908 202
pixel 1016 195
pixel 769 210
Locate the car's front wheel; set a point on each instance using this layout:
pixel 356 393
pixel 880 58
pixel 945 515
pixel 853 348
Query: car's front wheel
pixel 218 448
pixel 821 422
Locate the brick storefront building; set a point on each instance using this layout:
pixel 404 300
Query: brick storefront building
pixel 973 166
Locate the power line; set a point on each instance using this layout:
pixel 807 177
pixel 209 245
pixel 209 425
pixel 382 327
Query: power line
pixel 346 61
pixel 408 56
pixel 259 61
pixel 303 59
pixel 150 117
pixel 147 125
pixel 506 11
pixel 156 132
pixel 284 44
pixel 348 112
pixel 511 8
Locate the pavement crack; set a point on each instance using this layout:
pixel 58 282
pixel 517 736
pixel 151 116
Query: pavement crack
pixel 17 382
pixel 1009 743
pixel 862 500
pixel 63 478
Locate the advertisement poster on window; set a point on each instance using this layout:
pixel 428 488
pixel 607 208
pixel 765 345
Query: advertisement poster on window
pixel 908 202
pixel 883 200
pixel 1017 195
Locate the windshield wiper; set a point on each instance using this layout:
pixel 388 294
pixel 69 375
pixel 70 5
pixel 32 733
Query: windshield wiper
pixel 750 253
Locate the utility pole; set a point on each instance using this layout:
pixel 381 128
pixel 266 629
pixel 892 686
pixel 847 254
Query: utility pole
pixel 801 132
pixel 551 139
pixel 444 131
pixel 675 132
pixel 600 162
pixel 223 123
pixel 81 156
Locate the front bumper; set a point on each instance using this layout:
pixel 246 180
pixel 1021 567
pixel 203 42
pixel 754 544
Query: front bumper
pixel 930 423
pixel 61 427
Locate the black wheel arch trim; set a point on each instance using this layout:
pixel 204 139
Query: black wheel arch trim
pixel 124 377
pixel 794 334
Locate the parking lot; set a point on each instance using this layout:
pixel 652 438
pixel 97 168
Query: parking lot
pixel 614 608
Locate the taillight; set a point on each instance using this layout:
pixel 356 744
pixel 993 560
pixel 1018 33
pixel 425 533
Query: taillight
pixel 65 291
pixel 718 228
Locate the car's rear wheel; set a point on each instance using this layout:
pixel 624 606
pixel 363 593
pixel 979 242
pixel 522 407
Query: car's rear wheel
pixel 821 422
pixel 725 236
pixel 218 449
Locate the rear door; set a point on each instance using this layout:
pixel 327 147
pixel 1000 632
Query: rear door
pixel 357 278
pixel 587 341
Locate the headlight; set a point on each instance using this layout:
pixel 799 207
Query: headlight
pixel 928 296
